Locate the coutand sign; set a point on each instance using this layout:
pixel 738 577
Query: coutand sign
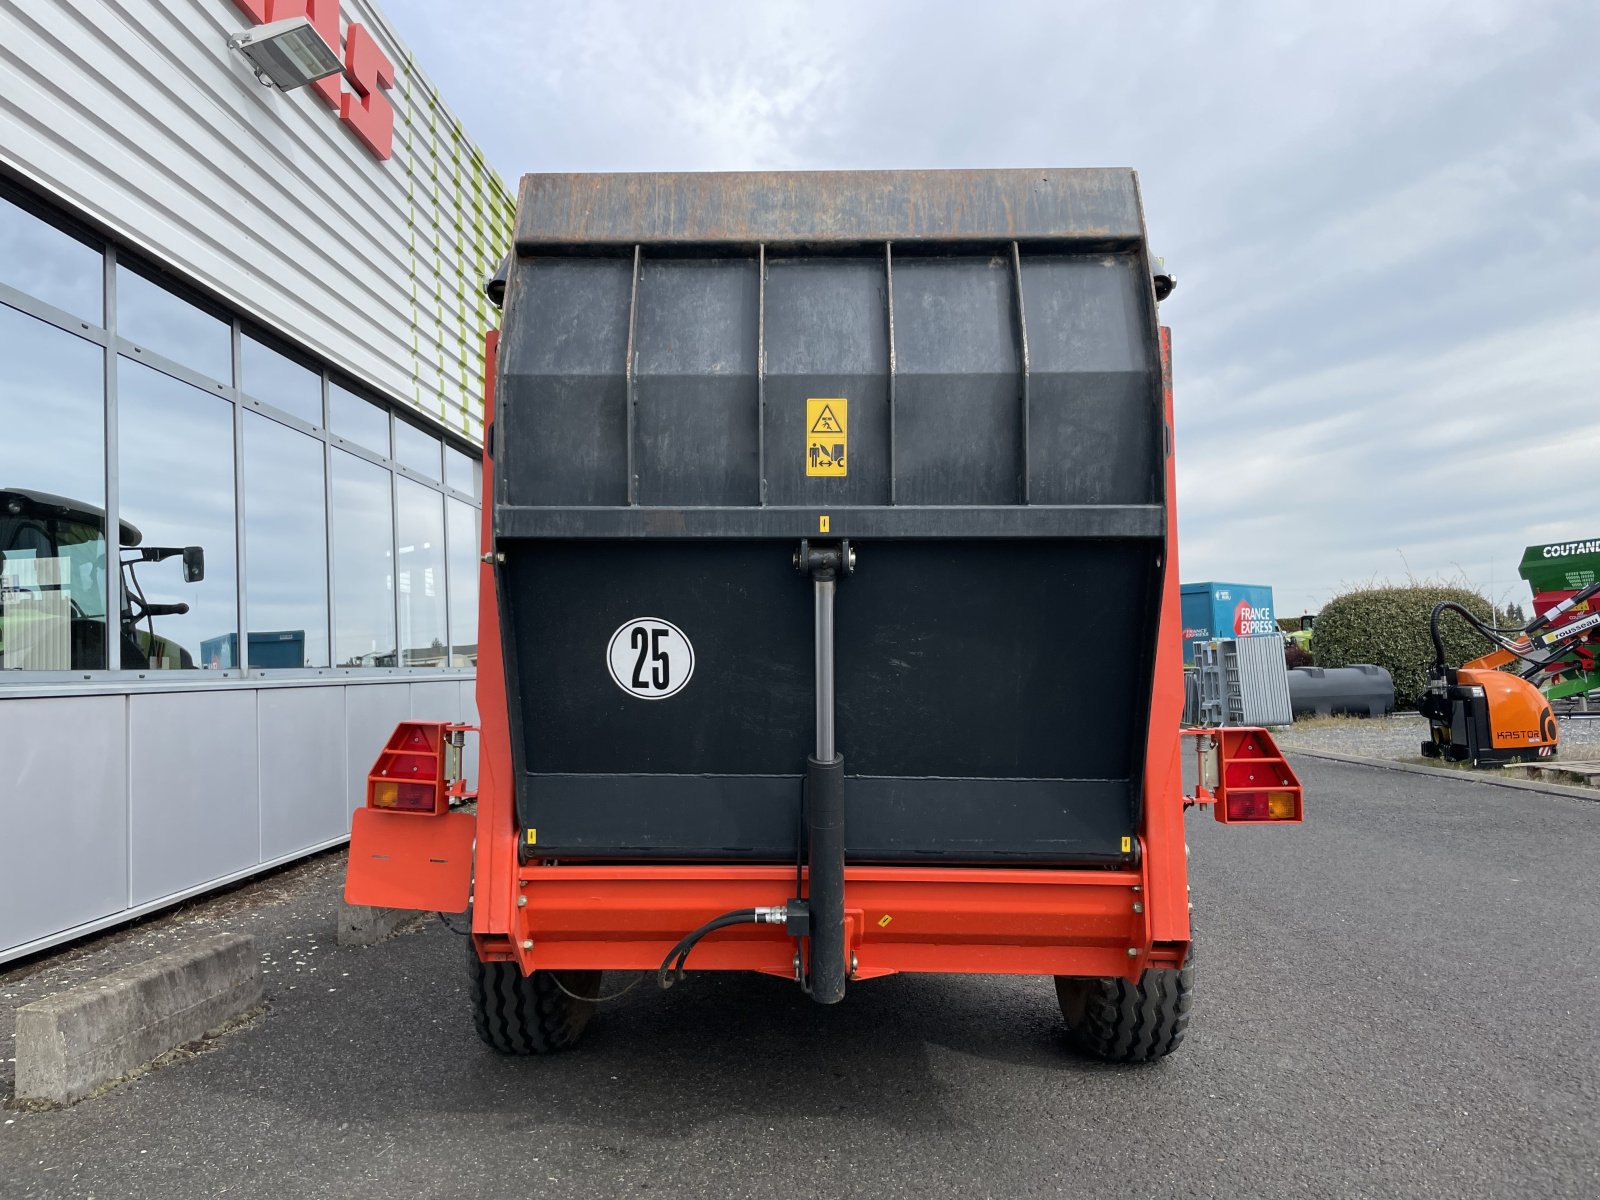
pixel 1566 549
pixel 367 69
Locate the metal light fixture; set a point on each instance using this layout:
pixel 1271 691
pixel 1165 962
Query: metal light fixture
pixel 287 54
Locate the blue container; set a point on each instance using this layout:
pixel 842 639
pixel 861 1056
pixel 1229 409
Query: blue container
pixel 1225 610
pixel 276 648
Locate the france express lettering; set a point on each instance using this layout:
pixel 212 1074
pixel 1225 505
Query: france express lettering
pixel 1252 621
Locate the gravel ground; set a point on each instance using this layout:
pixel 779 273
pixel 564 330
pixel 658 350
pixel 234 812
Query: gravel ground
pixel 1400 736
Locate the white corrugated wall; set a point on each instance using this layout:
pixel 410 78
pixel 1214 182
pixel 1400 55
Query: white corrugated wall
pixel 136 113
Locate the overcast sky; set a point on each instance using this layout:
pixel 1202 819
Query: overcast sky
pixel 1384 219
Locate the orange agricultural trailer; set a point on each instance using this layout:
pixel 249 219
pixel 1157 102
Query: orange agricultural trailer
pixel 829 617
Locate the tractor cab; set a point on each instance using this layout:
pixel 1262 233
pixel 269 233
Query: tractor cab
pixel 53 588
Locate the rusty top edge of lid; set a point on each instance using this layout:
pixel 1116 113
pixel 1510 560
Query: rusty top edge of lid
pixel 820 207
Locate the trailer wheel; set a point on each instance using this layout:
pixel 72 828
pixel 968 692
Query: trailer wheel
pixel 529 1014
pixel 1124 1022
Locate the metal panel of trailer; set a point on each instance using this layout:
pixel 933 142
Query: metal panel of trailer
pixel 954 374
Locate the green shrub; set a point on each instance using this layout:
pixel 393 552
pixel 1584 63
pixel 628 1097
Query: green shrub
pixel 1388 626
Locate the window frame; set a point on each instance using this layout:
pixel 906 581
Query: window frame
pixel 76 230
pixel 276 345
pixel 114 677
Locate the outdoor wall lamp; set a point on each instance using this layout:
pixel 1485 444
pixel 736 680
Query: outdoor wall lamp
pixel 286 54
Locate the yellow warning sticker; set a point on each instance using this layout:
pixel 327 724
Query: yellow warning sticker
pixel 827 436
pixel 883 921
pixel 533 837
pixel 822 523
pixel 1127 845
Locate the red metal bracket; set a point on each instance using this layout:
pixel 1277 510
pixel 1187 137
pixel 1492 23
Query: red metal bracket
pixel 397 861
pixel 407 849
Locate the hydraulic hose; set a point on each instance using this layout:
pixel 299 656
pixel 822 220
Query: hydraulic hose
pixel 1560 610
pixel 1487 631
pixel 671 970
pixel 1433 630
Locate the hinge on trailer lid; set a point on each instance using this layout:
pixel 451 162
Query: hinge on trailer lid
pixel 825 560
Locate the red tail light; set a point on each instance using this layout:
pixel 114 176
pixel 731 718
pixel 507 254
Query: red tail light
pixel 403 797
pixel 409 775
pixel 1261 806
pixel 1257 784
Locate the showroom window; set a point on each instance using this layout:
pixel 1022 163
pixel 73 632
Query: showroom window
pixel 271 376
pixel 50 264
pixel 462 521
pixel 286 530
pixel 363 564
pixel 271 515
pixel 175 457
pixel 417 449
pixel 155 318
pixel 461 471
pixel 357 420
pixel 419 559
pixel 52 498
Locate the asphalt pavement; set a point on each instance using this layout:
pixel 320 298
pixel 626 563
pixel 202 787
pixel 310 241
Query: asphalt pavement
pixel 1396 999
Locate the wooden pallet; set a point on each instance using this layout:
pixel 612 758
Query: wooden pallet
pixel 1581 774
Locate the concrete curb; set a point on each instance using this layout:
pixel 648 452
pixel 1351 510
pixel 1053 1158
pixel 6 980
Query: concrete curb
pixel 1592 795
pixel 361 925
pixel 72 1043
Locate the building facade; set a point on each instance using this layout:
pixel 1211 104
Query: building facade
pixel 240 409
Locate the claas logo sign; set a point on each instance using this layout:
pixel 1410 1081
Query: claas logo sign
pixel 367 69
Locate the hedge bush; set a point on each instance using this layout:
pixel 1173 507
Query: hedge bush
pixel 1388 626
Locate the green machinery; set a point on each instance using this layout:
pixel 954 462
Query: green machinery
pixel 1560 573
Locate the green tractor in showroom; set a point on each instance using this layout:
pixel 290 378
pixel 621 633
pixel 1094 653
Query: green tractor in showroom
pixel 53 588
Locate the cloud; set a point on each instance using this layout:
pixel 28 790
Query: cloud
pixel 1432 463
pixel 1385 219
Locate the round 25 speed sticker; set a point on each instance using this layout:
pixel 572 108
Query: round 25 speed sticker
pixel 650 659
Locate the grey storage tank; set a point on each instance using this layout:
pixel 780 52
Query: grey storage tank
pixel 1362 690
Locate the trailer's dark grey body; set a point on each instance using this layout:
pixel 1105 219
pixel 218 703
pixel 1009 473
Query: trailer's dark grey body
pixel 994 334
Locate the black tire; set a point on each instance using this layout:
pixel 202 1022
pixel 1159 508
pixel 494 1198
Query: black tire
pixel 529 1014
pixel 1124 1022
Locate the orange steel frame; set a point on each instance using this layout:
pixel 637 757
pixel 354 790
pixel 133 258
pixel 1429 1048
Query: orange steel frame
pixel 945 919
